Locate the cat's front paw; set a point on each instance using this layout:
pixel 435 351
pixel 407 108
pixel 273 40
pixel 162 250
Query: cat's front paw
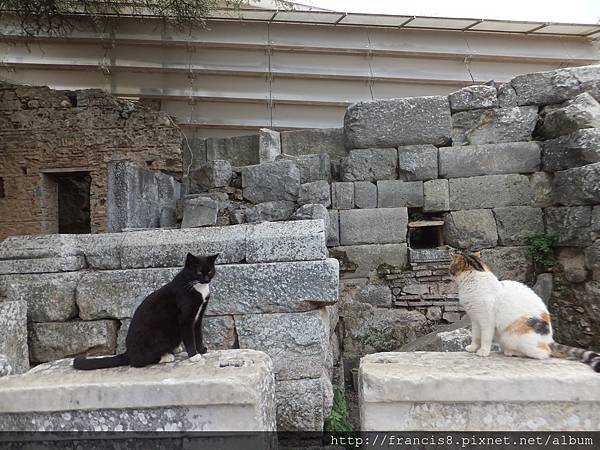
pixel 482 352
pixel 202 350
pixel 471 348
pixel 197 357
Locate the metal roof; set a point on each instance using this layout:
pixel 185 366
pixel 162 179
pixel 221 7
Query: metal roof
pixel 406 21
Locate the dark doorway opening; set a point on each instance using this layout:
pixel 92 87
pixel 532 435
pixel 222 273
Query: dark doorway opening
pixel 73 195
pixel 425 230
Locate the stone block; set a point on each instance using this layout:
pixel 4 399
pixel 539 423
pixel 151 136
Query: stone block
pixel 541 189
pixel 168 248
pixel 269 145
pixel 41 254
pixel 239 150
pixel 417 162
pixel 507 96
pixel 199 212
pixel 573 263
pixel 315 192
pixel 472 229
pixel 193 153
pixel 556 86
pixel 13 337
pixel 212 174
pixel 436 196
pixel 362 261
pixel 394 122
pixel 489 159
pixel 397 194
pixel 455 340
pixel 333 231
pixel 365 195
pixel 297 343
pixel 516 223
pixel 271 211
pixel 489 126
pixel 50 297
pixel 56 340
pixel 369 329
pixel 370 164
pixel 572 225
pixel 229 390
pixel 342 195
pixel 312 167
pixel 577 186
pixel 583 111
pixel 288 241
pixel 489 191
pixel 474 97
pixel 510 263
pixel 279 180
pixel 416 391
pixel 543 286
pixel 378 295
pixel 315 141
pixel 573 150
pixel 301 404
pixel 236 289
pixel 373 226
pixel 315 212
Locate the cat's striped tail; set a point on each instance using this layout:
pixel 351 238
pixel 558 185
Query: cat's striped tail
pixel 585 356
pixel 83 363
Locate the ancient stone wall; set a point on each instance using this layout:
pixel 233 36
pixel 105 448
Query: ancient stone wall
pixel 46 133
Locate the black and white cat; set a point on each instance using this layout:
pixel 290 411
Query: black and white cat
pixel 164 319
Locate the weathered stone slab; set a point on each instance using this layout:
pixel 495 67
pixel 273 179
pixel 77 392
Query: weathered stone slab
pixel 312 167
pixel 362 261
pixel 436 196
pixel 516 223
pixel 315 192
pixel 314 212
pixel 397 194
pixel 13 337
pixel 362 290
pixel 271 211
pixel 488 126
pixel 416 391
pixel 489 159
pixel 373 226
pixel 472 229
pixel 556 86
pixel 279 180
pixel 288 241
pixel 489 191
pixel 305 142
pixel 269 145
pixel 50 297
pixel 394 122
pixel 543 286
pixel 417 162
pixel 333 232
pixel 365 195
pixel 572 225
pixel 55 340
pixel 473 97
pixel 342 195
pixel 199 212
pixel 510 263
pixel 168 248
pixel 573 150
pixel 236 289
pixel 40 254
pixel 370 164
pixel 302 404
pixel 297 343
pixel 212 174
pixel 239 150
pixel 225 390
pixel 577 186
pixel 541 189
pixel 580 112
pixel 507 96
pixel 193 153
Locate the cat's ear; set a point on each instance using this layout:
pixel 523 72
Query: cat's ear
pixel 477 254
pixel 214 257
pixel 190 260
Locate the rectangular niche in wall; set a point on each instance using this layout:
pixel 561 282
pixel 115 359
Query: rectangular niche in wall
pixel 68 199
pixel 425 230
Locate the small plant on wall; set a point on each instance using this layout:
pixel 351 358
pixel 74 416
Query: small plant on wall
pixel 541 249
pixel 339 420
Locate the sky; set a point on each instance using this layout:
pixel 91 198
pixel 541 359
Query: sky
pixel 566 11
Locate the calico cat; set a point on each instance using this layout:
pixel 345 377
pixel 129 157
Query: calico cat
pixel 509 313
pixel 166 317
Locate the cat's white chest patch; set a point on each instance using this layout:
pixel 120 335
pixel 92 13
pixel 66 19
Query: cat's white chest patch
pixel 204 289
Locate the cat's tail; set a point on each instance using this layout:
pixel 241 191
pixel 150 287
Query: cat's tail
pixel 585 356
pixel 83 363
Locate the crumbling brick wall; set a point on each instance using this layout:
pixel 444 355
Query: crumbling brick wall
pixel 43 130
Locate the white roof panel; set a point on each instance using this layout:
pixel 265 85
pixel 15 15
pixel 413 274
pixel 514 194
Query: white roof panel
pixel 374 19
pixel 505 26
pixel 308 16
pixel 440 22
pixel 569 29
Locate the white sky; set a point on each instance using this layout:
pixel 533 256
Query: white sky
pixel 569 11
